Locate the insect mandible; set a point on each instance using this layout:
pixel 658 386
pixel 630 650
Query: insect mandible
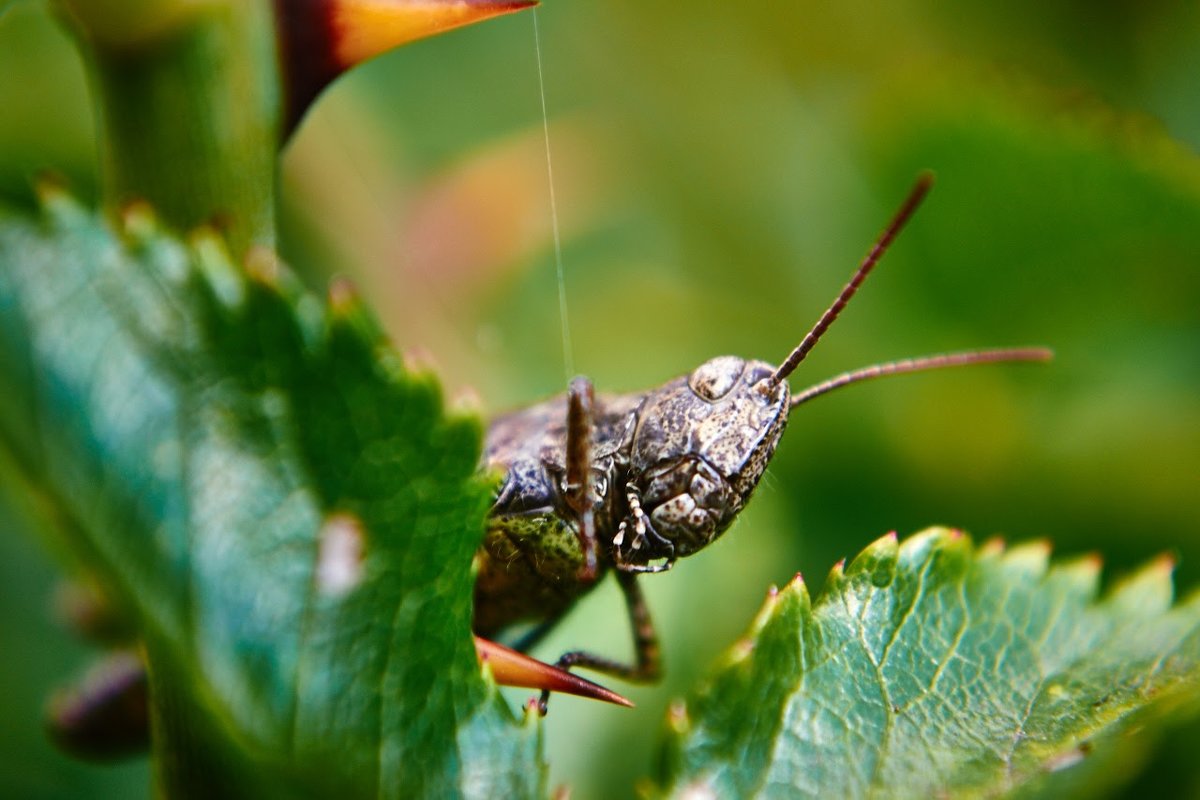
pixel 630 483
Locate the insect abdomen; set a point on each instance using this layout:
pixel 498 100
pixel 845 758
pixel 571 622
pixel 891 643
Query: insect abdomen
pixel 527 570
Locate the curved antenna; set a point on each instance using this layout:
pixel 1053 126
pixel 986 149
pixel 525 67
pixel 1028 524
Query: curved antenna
pixel 906 365
pixel 915 196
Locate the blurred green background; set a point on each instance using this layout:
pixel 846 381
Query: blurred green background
pixel 720 169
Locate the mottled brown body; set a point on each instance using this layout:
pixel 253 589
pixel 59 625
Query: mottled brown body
pixel 531 558
pixel 669 470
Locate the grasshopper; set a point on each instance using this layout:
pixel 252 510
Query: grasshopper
pixel 593 484
pixel 630 483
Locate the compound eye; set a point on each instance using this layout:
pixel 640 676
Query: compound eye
pixel 714 379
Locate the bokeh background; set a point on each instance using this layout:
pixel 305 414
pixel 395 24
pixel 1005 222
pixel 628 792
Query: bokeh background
pixel 720 168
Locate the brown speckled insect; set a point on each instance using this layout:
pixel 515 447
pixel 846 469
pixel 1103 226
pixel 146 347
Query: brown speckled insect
pixel 630 483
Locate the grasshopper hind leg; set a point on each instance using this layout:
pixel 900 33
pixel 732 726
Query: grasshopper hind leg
pixel 648 664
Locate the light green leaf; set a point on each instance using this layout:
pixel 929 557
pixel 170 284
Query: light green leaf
pixel 289 515
pixel 934 667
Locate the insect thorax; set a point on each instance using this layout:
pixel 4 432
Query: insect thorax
pixel 529 563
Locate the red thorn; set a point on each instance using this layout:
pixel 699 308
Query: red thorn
pixel 511 668
pixel 343 295
pixel 1164 562
pixel 320 39
pixel 363 29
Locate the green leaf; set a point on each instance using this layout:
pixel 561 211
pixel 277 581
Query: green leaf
pixel 933 667
pixel 289 515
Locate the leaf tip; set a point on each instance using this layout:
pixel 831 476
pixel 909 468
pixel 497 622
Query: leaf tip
pixel 992 548
pixel 212 260
pixel 54 196
pixel 344 299
pixel 49 184
pixel 419 363
pixel 877 560
pixel 1081 573
pixel 532 708
pixel 138 221
pixel 837 574
pixel 347 311
pixel 262 266
pixel 797 589
pixel 1147 590
pixel 466 402
pixel 1032 557
pixel 1164 564
pixel 679 721
pixel 1090 564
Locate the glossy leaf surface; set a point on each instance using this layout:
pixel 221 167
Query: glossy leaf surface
pixel 288 513
pixel 932 667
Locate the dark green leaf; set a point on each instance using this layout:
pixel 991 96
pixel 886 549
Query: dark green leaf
pixel 288 514
pixel 933 667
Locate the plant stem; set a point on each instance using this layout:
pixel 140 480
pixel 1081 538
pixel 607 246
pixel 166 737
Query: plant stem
pixel 189 103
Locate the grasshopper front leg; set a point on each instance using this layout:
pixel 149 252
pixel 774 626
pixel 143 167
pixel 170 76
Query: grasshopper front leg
pixel 581 402
pixel 580 498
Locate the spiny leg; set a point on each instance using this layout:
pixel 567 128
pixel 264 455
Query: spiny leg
pixel 579 495
pixel 648 666
pixel 645 637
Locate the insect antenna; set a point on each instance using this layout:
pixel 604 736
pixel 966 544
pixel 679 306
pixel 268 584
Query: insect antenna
pixel 915 196
pixel 906 365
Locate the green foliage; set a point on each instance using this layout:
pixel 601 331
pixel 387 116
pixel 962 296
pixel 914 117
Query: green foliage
pixel 205 431
pixel 188 97
pixel 286 512
pixel 930 667
pixel 718 172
